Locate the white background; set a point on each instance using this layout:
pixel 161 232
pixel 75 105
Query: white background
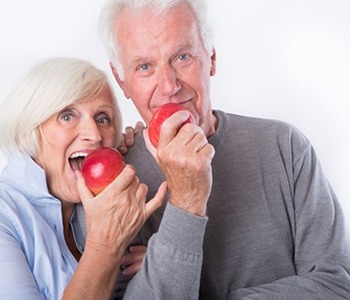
pixel 287 60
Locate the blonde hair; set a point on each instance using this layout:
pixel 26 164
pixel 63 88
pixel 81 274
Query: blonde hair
pixel 48 88
pixel 113 8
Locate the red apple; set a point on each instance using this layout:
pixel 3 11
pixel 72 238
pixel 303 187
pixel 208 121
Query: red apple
pixel 100 167
pixel 161 114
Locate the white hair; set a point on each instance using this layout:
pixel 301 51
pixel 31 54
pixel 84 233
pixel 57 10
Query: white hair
pixel 113 8
pixel 48 88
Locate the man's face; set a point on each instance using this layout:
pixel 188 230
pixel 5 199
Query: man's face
pixel 164 61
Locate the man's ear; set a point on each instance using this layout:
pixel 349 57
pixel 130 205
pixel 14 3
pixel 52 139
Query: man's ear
pixel 120 82
pixel 213 63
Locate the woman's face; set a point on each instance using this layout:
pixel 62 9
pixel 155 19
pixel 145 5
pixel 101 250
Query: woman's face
pixel 72 133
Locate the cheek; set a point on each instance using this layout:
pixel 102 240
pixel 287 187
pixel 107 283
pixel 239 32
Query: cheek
pixel 202 105
pixel 142 96
pixel 143 108
pixel 109 138
pixel 108 142
pixel 57 137
pixel 49 156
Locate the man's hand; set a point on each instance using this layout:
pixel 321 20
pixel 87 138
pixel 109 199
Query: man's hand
pixel 185 158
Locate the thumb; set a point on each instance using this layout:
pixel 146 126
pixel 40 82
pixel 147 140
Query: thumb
pixel 148 143
pixel 83 190
pixel 156 202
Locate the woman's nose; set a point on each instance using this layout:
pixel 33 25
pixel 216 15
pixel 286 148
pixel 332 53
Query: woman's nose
pixel 168 82
pixel 90 131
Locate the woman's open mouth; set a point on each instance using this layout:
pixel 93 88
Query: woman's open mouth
pixel 76 159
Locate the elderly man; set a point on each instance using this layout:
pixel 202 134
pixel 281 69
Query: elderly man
pixel 275 229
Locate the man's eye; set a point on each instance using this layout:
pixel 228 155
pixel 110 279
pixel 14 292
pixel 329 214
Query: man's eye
pixel 144 67
pixel 183 57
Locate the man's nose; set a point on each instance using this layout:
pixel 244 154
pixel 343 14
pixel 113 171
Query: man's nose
pixel 168 83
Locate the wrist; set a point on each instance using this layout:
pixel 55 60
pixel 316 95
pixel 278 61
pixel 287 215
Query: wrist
pixel 113 251
pixel 195 207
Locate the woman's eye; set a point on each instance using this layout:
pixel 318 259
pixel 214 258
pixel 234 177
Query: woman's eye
pixel 103 120
pixel 66 117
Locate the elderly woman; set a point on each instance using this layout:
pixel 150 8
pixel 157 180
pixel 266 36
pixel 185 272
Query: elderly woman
pixel 64 109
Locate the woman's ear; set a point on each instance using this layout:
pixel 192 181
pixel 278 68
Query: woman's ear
pixel 213 63
pixel 119 81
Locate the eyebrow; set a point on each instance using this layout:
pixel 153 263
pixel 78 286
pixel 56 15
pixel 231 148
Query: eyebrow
pixel 109 106
pixel 181 48
pixel 141 59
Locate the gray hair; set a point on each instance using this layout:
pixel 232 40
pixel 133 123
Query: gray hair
pixel 49 87
pixel 113 8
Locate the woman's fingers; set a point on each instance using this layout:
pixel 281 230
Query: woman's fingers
pixel 157 200
pixel 128 138
pixel 83 190
pixel 132 262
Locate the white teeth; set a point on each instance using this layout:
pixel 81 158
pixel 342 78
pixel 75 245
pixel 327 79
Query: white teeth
pixel 78 154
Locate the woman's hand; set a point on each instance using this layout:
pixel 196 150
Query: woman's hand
pixel 114 216
pixel 128 139
pixel 131 263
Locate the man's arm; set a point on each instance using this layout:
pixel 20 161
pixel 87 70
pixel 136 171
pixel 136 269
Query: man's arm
pixel 173 262
pixel 321 242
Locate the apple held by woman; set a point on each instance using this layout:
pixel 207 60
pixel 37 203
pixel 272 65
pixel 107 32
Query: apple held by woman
pixel 100 167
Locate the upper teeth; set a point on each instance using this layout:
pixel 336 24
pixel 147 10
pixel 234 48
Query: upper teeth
pixel 79 154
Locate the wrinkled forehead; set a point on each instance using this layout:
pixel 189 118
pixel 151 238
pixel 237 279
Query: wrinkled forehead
pixel 152 14
pixel 148 23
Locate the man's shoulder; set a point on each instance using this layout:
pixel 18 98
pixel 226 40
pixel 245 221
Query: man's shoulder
pixel 254 126
pixel 252 121
pixel 258 130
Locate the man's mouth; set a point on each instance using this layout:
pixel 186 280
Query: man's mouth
pixel 76 159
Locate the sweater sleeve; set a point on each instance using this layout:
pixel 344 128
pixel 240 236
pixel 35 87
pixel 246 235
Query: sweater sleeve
pixel 322 242
pixel 172 265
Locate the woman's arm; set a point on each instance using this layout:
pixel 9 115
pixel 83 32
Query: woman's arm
pixel 112 218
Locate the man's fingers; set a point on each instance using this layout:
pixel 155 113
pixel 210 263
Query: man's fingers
pixel 170 127
pixel 209 151
pixel 149 145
